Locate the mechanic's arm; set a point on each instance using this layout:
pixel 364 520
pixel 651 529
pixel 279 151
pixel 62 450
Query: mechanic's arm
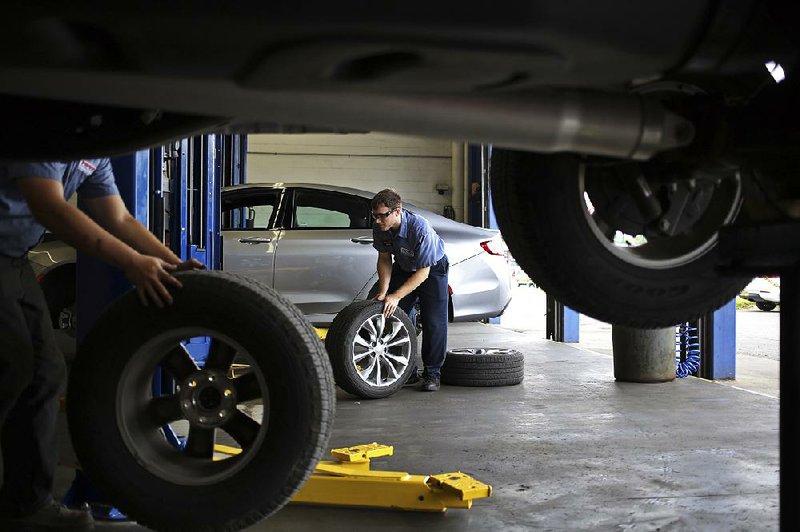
pixel 112 214
pixel 391 301
pixel 45 197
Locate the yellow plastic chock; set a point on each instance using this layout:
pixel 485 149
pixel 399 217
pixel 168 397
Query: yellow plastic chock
pixel 349 481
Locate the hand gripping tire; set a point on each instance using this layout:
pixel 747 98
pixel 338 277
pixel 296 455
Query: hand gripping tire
pixel 483 367
pixel 540 207
pixel 279 412
pixel 372 356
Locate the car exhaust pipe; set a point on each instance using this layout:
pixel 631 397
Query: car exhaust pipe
pixel 596 123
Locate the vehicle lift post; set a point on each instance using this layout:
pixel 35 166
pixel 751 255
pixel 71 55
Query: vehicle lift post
pixel 790 392
pixel 562 324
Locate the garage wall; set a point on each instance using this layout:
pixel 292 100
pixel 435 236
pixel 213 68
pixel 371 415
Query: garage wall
pixel 371 161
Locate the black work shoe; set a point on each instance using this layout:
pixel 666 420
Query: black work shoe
pixel 53 516
pixel 430 384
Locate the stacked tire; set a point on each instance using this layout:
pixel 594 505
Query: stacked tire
pixel 483 367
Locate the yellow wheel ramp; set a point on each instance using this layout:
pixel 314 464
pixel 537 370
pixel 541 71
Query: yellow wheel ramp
pixel 348 481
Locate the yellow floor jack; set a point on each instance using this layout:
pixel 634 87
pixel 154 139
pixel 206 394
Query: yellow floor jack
pixel 348 481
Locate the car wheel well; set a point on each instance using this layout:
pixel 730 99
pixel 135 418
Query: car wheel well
pixel 58 286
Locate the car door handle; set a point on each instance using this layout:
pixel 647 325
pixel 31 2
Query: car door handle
pixel 362 240
pixel 255 240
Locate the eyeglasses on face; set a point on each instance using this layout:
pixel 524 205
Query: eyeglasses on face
pixel 377 216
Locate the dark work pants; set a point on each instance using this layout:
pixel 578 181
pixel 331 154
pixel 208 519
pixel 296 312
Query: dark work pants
pixel 433 298
pixel 32 372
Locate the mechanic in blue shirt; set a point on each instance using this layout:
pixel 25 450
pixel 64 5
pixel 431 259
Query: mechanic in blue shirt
pixel 33 196
pixel 419 272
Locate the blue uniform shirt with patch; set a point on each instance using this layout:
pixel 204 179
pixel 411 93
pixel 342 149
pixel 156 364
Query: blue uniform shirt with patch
pixel 415 245
pixel 19 230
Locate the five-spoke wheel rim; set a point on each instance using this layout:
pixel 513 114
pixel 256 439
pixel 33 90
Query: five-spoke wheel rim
pixel 381 350
pixel 208 405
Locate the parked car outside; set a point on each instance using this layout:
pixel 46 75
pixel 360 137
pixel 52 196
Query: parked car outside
pixel 313 244
pixel 764 291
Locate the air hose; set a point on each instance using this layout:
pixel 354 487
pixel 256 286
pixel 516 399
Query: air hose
pixel 687 350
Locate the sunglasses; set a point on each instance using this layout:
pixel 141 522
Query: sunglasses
pixel 381 215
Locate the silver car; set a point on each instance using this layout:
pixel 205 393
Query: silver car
pixel 313 244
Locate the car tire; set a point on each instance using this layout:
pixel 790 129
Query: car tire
pixel 766 306
pixel 353 338
pixel 542 213
pixel 483 367
pixel 119 425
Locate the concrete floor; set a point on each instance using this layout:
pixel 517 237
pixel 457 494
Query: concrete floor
pixel 568 449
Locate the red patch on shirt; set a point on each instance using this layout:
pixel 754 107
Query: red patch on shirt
pixel 86 167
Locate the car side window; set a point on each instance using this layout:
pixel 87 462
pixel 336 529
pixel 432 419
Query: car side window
pixel 248 211
pixel 316 209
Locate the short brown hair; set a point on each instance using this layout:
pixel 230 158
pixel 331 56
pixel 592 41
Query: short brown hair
pixel 388 197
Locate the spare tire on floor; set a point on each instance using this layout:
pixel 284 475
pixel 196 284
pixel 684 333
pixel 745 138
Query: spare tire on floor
pixel 372 356
pixel 483 366
pixel 151 449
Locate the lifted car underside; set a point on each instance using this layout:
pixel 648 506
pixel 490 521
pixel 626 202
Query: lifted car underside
pixel 75 81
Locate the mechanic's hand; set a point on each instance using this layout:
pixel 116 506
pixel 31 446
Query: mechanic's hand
pixel 191 264
pixel 390 303
pixel 151 276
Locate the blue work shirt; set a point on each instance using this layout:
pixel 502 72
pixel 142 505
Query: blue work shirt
pixel 19 230
pixel 415 245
